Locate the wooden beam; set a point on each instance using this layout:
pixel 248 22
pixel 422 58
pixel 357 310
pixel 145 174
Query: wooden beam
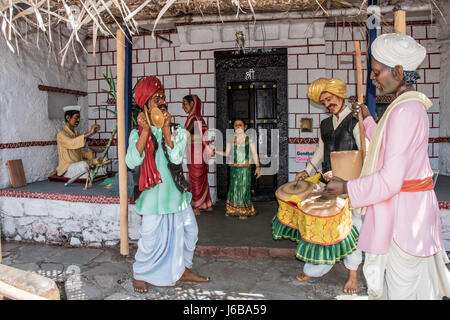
pixel 360 96
pixel 123 190
pixel 62 90
pixel 400 21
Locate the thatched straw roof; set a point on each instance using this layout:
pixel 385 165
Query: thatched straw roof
pixel 102 17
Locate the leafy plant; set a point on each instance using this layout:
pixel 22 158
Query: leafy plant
pixel 110 80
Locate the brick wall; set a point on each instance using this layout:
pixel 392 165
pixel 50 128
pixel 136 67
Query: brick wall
pixel 182 73
pixel 307 63
pixel 192 72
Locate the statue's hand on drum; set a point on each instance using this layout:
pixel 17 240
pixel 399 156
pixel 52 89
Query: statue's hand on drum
pixel 336 186
pixel 301 175
pixel 327 176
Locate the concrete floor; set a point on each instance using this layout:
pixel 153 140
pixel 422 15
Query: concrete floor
pixel 103 274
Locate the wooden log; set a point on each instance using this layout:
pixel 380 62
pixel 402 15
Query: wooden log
pixel 400 21
pixel 359 79
pixel 123 190
pixel 18 284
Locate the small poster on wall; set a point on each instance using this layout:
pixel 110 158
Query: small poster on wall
pixel 304 153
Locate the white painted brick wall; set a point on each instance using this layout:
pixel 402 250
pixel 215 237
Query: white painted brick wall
pixel 200 66
pixel 150 42
pixel 137 70
pixel 163 68
pixel 150 69
pixel 155 55
pixel 292 91
pixel 92 86
pixel 432 75
pixel 208 80
pixel 292 61
pixel 138 42
pixel 308 61
pixel 298 106
pixel 168 54
pixel 143 56
pixel 297 76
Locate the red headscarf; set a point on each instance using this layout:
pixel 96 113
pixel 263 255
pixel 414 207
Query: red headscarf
pixel 195 113
pixel 150 176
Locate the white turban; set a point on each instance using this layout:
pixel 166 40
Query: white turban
pixel 394 49
pixel 72 108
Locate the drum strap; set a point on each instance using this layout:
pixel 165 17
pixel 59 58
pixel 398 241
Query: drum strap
pixel 418 185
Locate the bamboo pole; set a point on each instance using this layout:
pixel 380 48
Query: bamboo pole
pixel 359 90
pixel 14 293
pixel 400 21
pixel 123 190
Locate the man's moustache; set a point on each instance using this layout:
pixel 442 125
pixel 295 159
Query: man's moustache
pixel 331 106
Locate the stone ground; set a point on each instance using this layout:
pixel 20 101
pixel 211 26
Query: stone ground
pixel 104 274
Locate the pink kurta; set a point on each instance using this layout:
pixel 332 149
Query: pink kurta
pixel 411 219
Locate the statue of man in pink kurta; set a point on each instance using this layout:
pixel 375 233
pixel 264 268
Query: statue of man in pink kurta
pixel 401 232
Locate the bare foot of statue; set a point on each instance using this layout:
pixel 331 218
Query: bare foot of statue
pixel 351 286
pixel 140 286
pixel 189 276
pixel 302 277
pixel 196 212
pixel 209 209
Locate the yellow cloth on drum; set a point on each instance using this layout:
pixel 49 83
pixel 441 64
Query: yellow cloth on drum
pixel 314 179
pixel 332 85
pixel 316 229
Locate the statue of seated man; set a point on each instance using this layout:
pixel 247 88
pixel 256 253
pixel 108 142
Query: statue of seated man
pixel 73 158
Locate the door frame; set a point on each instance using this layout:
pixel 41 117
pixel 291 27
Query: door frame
pixel 268 65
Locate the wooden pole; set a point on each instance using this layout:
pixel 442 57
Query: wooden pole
pixel 123 190
pixel 359 78
pixel 400 21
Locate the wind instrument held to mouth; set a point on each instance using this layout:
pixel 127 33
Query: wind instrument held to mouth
pixel 156 117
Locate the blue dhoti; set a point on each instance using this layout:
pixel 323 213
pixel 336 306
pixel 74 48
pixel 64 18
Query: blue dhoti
pixel 166 247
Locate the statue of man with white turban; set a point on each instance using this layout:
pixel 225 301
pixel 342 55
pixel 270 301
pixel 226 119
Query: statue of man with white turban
pixel 339 132
pixel 401 234
pixel 73 159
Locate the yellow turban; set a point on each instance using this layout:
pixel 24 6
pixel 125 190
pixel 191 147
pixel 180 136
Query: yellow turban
pixel 333 85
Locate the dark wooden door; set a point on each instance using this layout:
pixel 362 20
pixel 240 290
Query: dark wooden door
pixel 256 104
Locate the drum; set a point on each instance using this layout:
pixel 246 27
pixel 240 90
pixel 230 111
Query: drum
pixel 319 218
pixel 346 164
pixel 301 189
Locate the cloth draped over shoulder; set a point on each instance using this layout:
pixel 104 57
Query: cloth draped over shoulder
pixel 149 176
pixel 398 152
pixel 164 197
pixel 70 146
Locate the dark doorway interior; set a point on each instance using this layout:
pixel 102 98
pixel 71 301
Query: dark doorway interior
pixel 253 86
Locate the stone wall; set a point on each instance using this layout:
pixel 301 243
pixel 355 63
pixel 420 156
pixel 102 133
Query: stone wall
pixel 64 222
pixel 26 132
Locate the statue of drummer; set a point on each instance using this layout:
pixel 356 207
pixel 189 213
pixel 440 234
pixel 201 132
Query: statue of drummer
pixel 339 132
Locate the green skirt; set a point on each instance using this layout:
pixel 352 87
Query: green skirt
pixel 239 201
pixel 315 253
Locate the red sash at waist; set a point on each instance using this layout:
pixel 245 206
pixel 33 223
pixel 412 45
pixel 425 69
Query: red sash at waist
pixel 418 185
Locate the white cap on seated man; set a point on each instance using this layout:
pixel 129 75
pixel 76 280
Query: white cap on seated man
pixel 73 158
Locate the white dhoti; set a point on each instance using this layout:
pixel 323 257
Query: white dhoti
pixel 398 275
pixel 351 262
pixel 166 247
pixel 77 168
